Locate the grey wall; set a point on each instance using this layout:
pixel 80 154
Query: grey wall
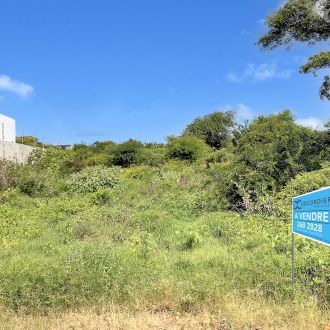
pixel 14 151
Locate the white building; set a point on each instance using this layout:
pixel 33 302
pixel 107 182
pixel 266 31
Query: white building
pixel 7 129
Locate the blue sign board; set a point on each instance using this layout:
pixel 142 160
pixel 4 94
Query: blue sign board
pixel 311 215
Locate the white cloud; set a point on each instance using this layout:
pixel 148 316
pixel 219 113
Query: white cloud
pixel 243 112
pixel 311 122
pixel 14 86
pixel 233 77
pixel 261 21
pixel 260 72
pixel 300 59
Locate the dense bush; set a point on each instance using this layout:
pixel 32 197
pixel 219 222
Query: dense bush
pixel 30 179
pixel 269 153
pixel 280 203
pixel 32 185
pixel 102 197
pixel 186 147
pixel 154 154
pixel 127 154
pixel 94 178
pixel 10 174
pixel 77 159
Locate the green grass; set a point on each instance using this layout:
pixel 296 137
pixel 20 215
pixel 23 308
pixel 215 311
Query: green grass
pixel 158 239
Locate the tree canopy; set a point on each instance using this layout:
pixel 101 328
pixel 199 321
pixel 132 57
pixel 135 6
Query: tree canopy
pixel 303 21
pixel 29 140
pixel 215 129
pixel 273 150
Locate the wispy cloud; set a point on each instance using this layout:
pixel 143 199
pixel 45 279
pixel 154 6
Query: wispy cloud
pixel 300 59
pixel 19 88
pixel 261 21
pixel 311 122
pixel 242 111
pixel 259 72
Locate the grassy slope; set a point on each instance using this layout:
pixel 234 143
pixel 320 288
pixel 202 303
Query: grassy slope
pixel 159 244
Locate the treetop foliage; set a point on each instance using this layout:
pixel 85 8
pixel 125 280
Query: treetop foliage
pixel 215 129
pixel 297 20
pixel 269 153
pixel 279 148
pixel 303 21
pixel 29 140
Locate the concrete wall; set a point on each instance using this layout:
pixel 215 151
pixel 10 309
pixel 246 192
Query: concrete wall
pixel 14 151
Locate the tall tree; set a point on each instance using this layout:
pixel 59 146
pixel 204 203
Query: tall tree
pixel 215 129
pixel 304 21
pixel 271 151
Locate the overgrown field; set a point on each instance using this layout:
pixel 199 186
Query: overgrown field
pixel 154 239
pixel 196 230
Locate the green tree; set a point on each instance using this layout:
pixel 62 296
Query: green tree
pixel 270 152
pixel 304 21
pixel 325 138
pixel 29 140
pixel 215 129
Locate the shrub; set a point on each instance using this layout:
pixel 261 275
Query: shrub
pixel 127 154
pixel 102 197
pixel 10 174
pixel 188 148
pixel 154 155
pixel 32 185
pixel 281 203
pixel 94 178
pixel 36 181
pixel 191 240
pixel 83 230
pixel 77 159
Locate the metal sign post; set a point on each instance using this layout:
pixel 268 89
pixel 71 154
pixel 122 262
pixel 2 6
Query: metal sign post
pixel 292 265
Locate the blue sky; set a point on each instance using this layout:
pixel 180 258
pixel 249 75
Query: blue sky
pixel 74 71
